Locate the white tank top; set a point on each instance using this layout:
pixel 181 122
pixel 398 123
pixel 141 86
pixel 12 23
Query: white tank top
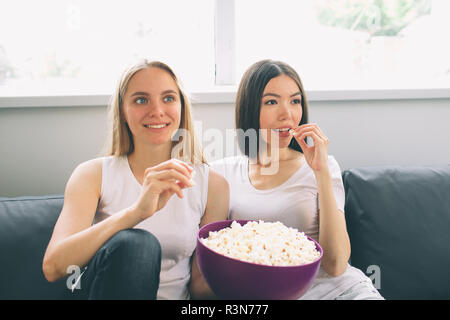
pixel 175 226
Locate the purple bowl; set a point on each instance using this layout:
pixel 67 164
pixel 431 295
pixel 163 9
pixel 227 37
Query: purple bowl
pixel 231 278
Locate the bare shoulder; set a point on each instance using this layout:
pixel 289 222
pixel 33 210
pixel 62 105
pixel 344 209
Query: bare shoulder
pixel 93 166
pixel 218 202
pixel 87 175
pixel 80 200
pixel 217 182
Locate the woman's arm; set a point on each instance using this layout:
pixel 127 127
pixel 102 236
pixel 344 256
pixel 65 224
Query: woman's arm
pixel 333 236
pixel 216 209
pixel 75 240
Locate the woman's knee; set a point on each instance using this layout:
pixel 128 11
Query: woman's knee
pixel 133 244
pixel 127 265
pixel 135 237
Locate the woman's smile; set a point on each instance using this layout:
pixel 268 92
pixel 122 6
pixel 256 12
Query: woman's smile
pixel 157 127
pixel 282 132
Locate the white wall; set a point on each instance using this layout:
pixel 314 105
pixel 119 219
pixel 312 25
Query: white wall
pixel 40 147
pixel 369 133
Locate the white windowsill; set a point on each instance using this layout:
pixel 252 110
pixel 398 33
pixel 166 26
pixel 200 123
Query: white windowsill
pixel 225 95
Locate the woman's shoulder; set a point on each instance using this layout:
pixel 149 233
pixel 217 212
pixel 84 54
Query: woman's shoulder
pixel 95 165
pixel 217 180
pixel 92 166
pixel 92 169
pixel 86 176
pixel 206 171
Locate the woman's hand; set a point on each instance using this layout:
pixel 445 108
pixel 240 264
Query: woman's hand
pixel 316 155
pixel 160 183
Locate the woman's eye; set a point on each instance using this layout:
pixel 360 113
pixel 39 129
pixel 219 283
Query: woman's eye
pixel 296 101
pixel 141 100
pixel 169 99
pixel 271 102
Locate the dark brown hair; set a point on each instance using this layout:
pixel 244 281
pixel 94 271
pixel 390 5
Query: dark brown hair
pixel 249 95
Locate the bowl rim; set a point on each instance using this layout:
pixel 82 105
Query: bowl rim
pixel 252 263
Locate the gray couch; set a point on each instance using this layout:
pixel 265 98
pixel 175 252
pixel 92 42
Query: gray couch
pixel 398 219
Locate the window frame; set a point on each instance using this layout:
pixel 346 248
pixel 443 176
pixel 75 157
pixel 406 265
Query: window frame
pixel 227 95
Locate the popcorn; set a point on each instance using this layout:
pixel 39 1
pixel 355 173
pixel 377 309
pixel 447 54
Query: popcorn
pixel 268 243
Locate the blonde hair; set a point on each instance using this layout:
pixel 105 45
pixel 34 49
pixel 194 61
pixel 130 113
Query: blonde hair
pixel 120 139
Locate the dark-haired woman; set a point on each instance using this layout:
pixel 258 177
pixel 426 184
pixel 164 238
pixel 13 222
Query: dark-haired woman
pixel 282 178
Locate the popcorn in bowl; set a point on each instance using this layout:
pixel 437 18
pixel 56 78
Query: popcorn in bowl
pixel 266 243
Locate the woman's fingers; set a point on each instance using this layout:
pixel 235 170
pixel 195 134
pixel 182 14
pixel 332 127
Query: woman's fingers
pixel 303 144
pixel 305 130
pixel 171 187
pixel 183 164
pixel 173 164
pixel 314 136
pixel 171 175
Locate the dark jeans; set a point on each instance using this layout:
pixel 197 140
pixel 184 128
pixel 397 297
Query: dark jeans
pixel 127 266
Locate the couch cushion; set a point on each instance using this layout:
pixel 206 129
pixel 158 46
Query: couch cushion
pixel 398 220
pixel 26 225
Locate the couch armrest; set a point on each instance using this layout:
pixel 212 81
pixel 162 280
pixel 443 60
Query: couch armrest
pixel 398 219
pixel 26 225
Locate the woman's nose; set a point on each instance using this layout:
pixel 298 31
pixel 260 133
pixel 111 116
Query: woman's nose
pixel 284 110
pixel 156 109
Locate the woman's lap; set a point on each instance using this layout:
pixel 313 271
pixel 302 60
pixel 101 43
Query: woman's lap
pixel 127 266
pixel 363 290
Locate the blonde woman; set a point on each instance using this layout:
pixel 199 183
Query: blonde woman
pixel 130 219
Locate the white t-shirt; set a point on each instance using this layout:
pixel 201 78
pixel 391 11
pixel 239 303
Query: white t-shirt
pixel 295 204
pixel 175 226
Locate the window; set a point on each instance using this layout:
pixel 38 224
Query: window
pixel 349 44
pixel 59 47
pixel 79 47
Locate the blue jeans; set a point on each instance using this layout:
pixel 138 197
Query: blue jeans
pixel 127 266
